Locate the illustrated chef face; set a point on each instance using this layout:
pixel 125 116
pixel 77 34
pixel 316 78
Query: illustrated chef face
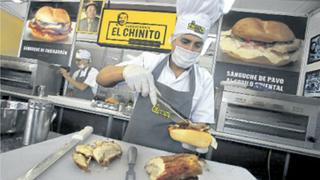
pixel 91 11
pixel 122 18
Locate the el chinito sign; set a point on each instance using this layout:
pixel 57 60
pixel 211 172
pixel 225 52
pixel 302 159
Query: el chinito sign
pixel 135 29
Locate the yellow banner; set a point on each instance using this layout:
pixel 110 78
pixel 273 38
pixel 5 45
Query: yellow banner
pixel 137 29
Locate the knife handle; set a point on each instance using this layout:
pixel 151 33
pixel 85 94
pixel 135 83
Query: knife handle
pixel 132 155
pixel 83 134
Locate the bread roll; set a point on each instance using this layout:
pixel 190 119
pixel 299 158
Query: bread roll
pixel 106 151
pixel 102 151
pixel 174 167
pixel 193 137
pixel 85 149
pixel 52 15
pixel 264 31
pixel 81 161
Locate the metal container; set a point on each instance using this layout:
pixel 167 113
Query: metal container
pixel 40 115
pixel 13 116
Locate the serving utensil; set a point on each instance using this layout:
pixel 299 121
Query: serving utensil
pixel 165 109
pixel 132 158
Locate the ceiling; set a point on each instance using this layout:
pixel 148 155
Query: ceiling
pixel 291 7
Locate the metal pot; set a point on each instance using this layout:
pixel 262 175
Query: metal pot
pixel 41 113
pixel 13 116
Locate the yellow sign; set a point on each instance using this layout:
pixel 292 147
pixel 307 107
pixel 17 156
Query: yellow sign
pixel 137 29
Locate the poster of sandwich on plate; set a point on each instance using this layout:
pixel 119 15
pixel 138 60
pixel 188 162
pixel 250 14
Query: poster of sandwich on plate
pixel 261 51
pixel 49 31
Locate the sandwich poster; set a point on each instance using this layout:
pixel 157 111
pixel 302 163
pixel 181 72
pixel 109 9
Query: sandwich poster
pixel 49 31
pixel 261 51
pixel 135 29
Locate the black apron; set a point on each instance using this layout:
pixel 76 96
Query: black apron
pixel 87 93
pixel 149 129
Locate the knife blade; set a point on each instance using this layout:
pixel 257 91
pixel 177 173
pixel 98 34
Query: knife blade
pixel 52 158
pixel 170 113
pixel 132 158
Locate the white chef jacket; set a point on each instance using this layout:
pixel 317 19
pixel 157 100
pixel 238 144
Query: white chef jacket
pixel 202 109
pixel 90 80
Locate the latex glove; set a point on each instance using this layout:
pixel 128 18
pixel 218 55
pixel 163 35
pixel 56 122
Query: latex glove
pixel 194 148
pixel 140 80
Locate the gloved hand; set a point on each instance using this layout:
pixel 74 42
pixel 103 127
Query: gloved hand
pixel 140 80
pixel 194 148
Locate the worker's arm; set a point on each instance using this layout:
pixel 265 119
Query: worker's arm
pixel 137 78
pixel 110 75
pixel 73 82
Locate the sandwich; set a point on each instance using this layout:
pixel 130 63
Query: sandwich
pixel 82 156
pixel 263 42
pixel 174 167
pixel 106 151
pixel 197 135
pixel 50 24
pixel 103 152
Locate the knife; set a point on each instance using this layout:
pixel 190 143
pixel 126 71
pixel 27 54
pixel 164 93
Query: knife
pixel 52 158
pixel 163 108
pixel 132 157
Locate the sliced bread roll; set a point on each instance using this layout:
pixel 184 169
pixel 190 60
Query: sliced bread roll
pixel 174 167
pixel 106 151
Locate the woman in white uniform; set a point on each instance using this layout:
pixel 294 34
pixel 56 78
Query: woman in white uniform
pixel 187 87
pixel 82 83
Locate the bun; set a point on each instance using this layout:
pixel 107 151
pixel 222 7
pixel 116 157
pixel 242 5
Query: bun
pixel 103 152
pixel 46 36
pixel 106 151
pixel 174 167
pixel 81 161
pixel 264 31
pixel 194 137
pixel 52 15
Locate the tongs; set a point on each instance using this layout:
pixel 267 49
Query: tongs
pixel 169 112
pixel 174 116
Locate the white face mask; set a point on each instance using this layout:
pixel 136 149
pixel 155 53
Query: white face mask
pixel 184 58
pixel 81 66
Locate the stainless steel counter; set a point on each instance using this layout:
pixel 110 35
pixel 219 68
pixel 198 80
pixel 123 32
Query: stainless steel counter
pixel 72 103
pixel 17 162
